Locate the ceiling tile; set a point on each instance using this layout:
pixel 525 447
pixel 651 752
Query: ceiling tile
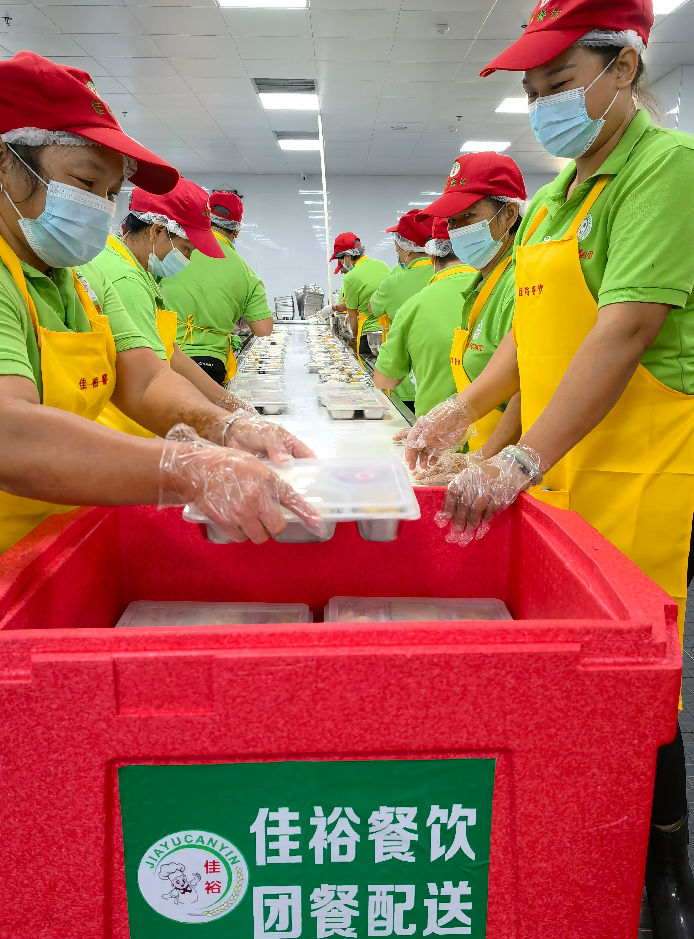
pixel 343 24
pixel 187 21
pixel 26 18
pixel 48 44
pixel 97 19
pixel 222 68
pixel 145 85
pixel 128 46
pixel 145 67
pixel 274 48
pixel 284 23
pixel 351 50
pixel 196 47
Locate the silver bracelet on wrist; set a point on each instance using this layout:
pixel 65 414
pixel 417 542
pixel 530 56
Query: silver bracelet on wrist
pixel 525 463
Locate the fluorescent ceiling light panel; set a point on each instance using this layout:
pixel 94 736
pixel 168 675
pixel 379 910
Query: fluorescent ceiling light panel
pixel 418 203
pixel 287 4
pixel 663 7
pixel 289 102
pixel 673 111
pixel 513 106
pixel 289 144
pixel 431 193
pixel 482 146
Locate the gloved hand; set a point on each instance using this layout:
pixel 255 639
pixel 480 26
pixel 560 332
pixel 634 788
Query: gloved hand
pixel 326 312
pixel 232 489
pixel 448 465
pixel 230 402
pixel 483 489
pixel 249 432
pixel 447 425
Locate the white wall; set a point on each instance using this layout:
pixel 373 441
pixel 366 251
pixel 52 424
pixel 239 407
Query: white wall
pixel 675 94
pixel 286 246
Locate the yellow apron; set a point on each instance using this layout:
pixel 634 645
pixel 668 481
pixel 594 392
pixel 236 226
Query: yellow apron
pixel 487 424
pixel 78 372
pixel 231 364
pixel 632 476
pixel 166 327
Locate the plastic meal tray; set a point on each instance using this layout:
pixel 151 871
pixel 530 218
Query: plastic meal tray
pixel 343 405
pixel 249 382
pixel 267 401
pixel 194 613
pixel 412 610
pixel 377 494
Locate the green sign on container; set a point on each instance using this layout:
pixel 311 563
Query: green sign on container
pixel 308 850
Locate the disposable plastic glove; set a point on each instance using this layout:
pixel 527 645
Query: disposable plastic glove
pixel 485 488
pixel 232 489
pixel 326 312
pixel 448 465
pixel 249 432
pixel 231 402
pixel 447 425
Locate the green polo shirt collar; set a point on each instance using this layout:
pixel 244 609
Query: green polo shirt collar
pixel 555 195
pixel 418 262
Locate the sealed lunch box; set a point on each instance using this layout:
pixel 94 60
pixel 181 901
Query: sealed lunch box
pixel 338 385
pixel 376 494
pixel 344 405
pixel 267 401
pixel 412 610
pixel 248 382
pixel 195 613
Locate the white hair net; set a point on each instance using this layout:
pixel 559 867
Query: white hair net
pixel 625 38
pixel 154 218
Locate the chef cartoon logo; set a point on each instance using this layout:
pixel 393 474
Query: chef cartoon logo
pixel 585 228
pixel 193 876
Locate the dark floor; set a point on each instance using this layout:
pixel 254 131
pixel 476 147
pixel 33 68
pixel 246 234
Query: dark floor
pixel 687 725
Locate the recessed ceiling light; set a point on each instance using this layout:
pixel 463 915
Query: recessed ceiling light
pixel 662 7
pixel 313 202
pixel 673 111
pixel 287 143
pixel 418 203
pixel 431 193
pixel 310 192
pixel 398 126
pixel 482 146
pixel 289 102
pixel 513 106
pixel 290 4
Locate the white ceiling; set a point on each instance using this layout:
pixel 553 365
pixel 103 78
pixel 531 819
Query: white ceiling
pixel 183 73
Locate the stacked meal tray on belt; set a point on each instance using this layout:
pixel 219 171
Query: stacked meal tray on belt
pixel 260 377
pixel 345 388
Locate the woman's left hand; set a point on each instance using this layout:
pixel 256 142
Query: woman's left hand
pixel 249 432
pixel 481 491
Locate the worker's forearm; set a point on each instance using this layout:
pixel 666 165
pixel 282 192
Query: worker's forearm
pixel 595 379
pixel 353 320
pixel 382 381
pixel 498 381
pixel 198 377
pixel 339 307
pixel 261 327
pixel 157 397
pixel 55 456
pixel 507 431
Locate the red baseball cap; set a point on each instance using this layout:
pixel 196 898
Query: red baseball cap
pixel 554 25
pixel 345 242
pixel 474 176
pixel 226 205
pixel 37 93
pixel 187 204
pixel 439 229
pixel 338 268
pixel 408 226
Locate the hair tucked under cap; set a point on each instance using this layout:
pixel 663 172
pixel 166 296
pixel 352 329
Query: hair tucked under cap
pixel 154 218
pixel 624 39
pixel 39 137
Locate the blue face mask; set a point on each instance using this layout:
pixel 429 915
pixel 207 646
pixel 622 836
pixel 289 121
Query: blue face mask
pixel 73 227
pixel 155 266
pixel 174 262
pixel 561 123
pixel 473 244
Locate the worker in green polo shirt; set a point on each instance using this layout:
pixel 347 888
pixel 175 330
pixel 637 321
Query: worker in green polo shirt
pixel 153 231
pixel 602 352
pixel 410 275
pixel 482 220
pixel 421 333
pixel 363 276
pixel 210 298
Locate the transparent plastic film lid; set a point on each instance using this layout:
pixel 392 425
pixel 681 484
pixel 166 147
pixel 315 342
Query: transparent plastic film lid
pixel 344 490
pixel 353 398
pixel 260 397
pixel 413 610
pixel 194 613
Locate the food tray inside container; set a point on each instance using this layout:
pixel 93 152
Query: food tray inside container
pixel 341 490
pixel 412 609
pixel 194 613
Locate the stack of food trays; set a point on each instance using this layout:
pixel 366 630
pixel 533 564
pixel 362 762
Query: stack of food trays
pixel 346 404
pixel 377 494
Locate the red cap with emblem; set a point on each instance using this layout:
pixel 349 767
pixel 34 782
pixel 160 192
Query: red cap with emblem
pixel 474 176
pixel 37 93
pixel 439 229
pixel 408 226
pixel 345 242
pixel 187 204
pixel 556 24
pixel 227 205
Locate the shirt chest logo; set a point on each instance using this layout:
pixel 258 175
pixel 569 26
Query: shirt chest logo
pixel 585 228
pixel 477 332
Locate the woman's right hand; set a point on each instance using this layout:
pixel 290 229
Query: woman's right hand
pixel 231 488
pixel 447 425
